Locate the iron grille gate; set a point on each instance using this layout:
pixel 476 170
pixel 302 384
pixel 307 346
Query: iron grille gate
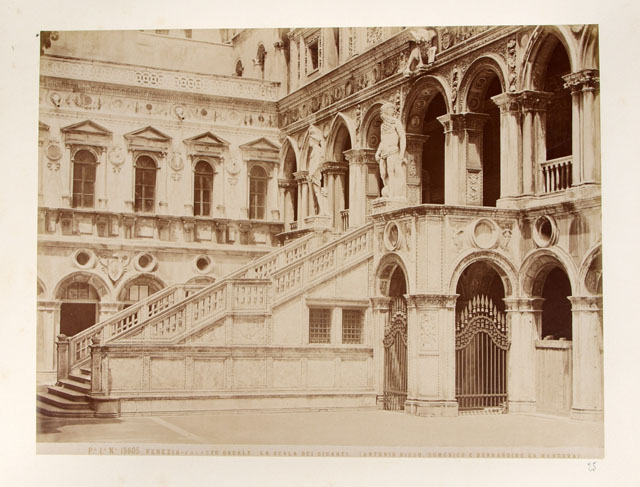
pixel 481 355
pixel 395 357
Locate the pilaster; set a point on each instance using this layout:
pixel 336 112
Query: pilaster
pixel 359 162
pixel 534 145
pixel 523 320
pixel 415 144
pixel 587 398
pixel 510 144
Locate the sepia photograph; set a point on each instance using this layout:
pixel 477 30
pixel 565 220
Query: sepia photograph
pixel 357 246
pixel 392 234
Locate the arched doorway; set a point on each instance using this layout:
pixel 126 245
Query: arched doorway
pixel 342 143
pixel 79 308
pixel 433 152
pixel 481 339
pixel 395 344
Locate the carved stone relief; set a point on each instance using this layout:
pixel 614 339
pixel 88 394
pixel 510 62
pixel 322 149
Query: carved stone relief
pixel 53 153
pixel 428 332
pixel 116 157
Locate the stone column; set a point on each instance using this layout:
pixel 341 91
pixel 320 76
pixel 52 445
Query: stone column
pixel 379 319
pixel 303 195
pixel 47 330
pixel 455 173
pixel 360 190
pixel 415 143
pixel 524 320
pixel 286 201
pixel 587 398
pixel 510 144
pixel 431 355
pixel 334 172
pixel 585 93
pixel 473 153
pixel 534 144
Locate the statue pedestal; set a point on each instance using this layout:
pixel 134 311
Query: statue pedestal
pixel 384 204
pixel 318 221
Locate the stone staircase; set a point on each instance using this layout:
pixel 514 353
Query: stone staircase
pixel 68 398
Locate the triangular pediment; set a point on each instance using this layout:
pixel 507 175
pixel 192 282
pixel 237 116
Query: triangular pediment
pixel 148 133
pixel 42 126
pixel 86 128
pixel 261 144
pixel 208 139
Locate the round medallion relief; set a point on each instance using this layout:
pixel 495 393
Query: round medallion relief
pixel 84 259
pixel 392 236
pixel 53 151
pixel 484 233
pixel 145 262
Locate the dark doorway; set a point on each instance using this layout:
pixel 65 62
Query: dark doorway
pixel 75 317
pixel 433 153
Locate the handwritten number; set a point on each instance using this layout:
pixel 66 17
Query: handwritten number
pixel 591 466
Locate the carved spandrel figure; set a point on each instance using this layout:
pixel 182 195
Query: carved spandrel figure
pixel 422 39
pixel 314 180
pixel 390 153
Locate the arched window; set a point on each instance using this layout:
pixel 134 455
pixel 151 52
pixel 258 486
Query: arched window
pixel 145 184
pixel 559 112
pixel 84 179
pixel 239 68
pixel 257 193
pixel 202 189
pixel 139 289
pixel 260 58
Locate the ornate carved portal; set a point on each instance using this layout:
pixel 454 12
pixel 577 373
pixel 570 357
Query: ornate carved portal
pixel 395 356
pixel 481 355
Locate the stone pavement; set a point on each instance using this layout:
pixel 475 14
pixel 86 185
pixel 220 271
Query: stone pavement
pixel 348 430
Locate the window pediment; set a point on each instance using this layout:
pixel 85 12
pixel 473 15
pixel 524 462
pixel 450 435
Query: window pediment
pixel 261 149
pixel 87 132
pixel 148 139
pixel 206 144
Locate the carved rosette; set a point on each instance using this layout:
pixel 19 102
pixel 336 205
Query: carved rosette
pixel 53 153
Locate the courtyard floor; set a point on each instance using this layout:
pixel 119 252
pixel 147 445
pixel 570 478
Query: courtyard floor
pixel 348 433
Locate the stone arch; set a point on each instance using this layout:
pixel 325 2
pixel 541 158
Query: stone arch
pixel 590 275
pixel 146 276
pixel 470 90
pixel 369 133
pixel 496 260
pixel 340 120
pixel 539 48
pixel 537 265
pixel 420 95
pixel 98 283
pixel 201 280
pixel 289 148
pixel 384 271
pixel 589 50
pixel 41 290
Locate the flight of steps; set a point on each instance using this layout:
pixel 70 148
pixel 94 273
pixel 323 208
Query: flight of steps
pixel 69 398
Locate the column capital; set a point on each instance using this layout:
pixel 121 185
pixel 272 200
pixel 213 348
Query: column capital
pixel 586 303
pixel 301 175
pixel 360 156
pixel 287 183
pixel 416 141
pixel 380 303
pixel 507 102
pixel 585 80
pixel 432 300
pixel 469 122
pixel 531 305
pixel 331 167
pixel 534 101
pixel 44 305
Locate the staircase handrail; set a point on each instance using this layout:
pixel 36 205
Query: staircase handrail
pixel 136 314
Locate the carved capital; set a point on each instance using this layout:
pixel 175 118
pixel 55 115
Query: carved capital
pixel 360 156
pixel 507 102
pixel 531 305
pixel 415 142
pixel 585 80
pixel 586 303
pixel 470 122
pixel 287 184
pixel 301 175
pixel 335 168
pixel 432 300
pixel 534 101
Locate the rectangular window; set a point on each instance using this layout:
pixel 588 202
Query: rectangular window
pixel 84 177
pixel 313 55
pixel 202 195
pixel 352 324
pixel 319 325
pixel 145 189
pixel 257 195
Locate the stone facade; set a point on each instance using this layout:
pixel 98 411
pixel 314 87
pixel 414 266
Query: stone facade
pixel 500 226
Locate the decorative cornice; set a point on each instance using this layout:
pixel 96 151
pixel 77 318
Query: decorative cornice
pixel 432 300
pixel 157 78
pixel 532 305
pixel 586 303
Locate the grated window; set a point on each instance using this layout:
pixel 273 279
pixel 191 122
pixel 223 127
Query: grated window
pixel 319 325
pixel 352 323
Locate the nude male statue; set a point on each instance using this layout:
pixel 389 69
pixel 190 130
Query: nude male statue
pixel 390 153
